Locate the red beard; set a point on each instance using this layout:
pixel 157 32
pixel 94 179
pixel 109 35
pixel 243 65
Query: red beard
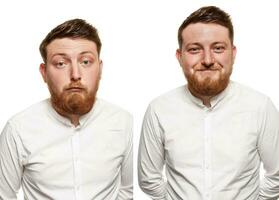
pixel 75 99
pixel 208 86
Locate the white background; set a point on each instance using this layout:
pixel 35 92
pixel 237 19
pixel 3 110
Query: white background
pixel 139 42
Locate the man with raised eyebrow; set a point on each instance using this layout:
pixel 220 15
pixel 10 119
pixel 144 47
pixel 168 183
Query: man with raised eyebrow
pixel 212 134
pixel 72 145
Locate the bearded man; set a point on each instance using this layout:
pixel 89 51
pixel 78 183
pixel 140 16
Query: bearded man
pixel 212 134
pixel 73 145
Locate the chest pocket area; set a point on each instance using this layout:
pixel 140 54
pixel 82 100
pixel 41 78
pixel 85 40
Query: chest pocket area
pixel 234 140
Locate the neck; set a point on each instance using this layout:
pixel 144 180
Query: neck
pixel 74 118
pixel 205 99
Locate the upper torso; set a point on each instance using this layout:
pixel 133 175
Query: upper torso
pixel 61 161
pixel 211 153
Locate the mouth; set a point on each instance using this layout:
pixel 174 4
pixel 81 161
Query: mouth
pixel 207 70
pixel 74 89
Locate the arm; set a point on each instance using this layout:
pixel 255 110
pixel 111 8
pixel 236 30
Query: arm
pixel 151 157
pixel 268 146
pixel 126 188
pixel 10 164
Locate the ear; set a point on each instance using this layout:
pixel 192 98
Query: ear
pixel 101 69
pixel 234 50
pixel 178 55
pixel 43 71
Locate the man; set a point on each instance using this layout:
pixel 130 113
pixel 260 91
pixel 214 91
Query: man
pixel 212 134
pixel 73 145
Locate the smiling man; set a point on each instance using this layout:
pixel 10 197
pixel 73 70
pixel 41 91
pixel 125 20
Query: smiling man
pixel 73 145
pixel 212 134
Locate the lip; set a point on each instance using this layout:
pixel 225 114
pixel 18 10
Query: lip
pixel 207 69
pixel 73 89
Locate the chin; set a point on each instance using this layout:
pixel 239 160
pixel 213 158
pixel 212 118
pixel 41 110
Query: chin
pixel 208 85
pixel 79 103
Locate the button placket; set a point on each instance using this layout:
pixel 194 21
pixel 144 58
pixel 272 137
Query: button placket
pixel 76 163
pixel 207 154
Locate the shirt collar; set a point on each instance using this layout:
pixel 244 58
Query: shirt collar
pixel 64 120
pixel 214 100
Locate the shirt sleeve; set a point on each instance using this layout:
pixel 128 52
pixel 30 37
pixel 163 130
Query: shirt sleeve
pixel 151 157
pixel 10 163
pixel 126 188
pixel 268 146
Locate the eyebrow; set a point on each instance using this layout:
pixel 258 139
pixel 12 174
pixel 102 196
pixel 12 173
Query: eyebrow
pixel 194 43
pixel 58 54
pixel 65 55
pixel 91 53
pixel 85 52
pixel 220 42
pixel 199 44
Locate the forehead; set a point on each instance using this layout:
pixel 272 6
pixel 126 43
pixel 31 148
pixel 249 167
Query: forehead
pixel 202 33
pixel 71 46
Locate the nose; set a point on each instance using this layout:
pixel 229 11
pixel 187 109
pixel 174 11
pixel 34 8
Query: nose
pixel 75 73
pixel 208 59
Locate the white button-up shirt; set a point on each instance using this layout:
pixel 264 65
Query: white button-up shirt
pixel 52 159
pixel 210 153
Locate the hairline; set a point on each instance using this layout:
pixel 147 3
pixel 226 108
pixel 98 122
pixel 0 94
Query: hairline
pixel 204 22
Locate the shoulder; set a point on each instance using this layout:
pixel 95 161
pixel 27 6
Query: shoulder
pixel 32 113
pixel 113 115
pixel 21 122
pixel 246 99
pixel 109 108
pixel 249 95
pixel 173 97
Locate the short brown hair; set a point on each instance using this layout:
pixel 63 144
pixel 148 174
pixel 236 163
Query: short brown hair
pixel 75 28
pixel 208 14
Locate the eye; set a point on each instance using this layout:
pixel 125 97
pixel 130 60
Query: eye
pixel 60 64
pixel 194 50
pixel 86 62
pixel 219 49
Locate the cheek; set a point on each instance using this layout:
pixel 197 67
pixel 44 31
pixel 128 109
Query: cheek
pixel 91 79
pixel 191 59
pixel 189 63
pixel 57 82
pixel 225 60
pixel 188 71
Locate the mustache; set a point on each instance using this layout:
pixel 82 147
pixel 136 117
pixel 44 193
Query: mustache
pixel 75 85
pixel 207 67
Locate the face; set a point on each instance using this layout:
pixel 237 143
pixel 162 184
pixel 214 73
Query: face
pixel 206 57
pixel 72 73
